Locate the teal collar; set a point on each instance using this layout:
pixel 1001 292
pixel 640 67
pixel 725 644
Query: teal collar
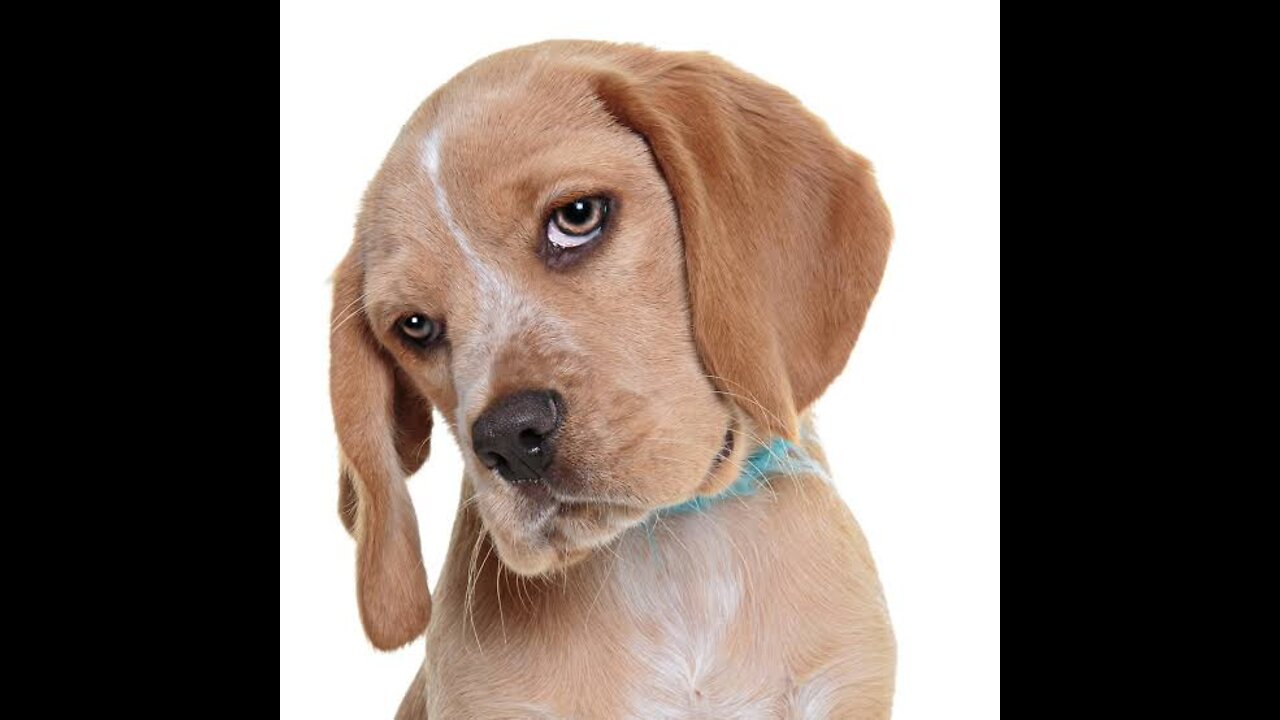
pixel 779 457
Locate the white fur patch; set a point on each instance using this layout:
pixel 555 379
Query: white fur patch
pixel 687 652
pixel 504 309
pixel 816 698
pixel 431 162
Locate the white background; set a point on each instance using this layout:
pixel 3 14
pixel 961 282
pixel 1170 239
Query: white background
pixel 911 427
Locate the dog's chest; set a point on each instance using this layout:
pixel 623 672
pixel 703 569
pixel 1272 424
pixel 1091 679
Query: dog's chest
pixel 686 623
pixel 663 630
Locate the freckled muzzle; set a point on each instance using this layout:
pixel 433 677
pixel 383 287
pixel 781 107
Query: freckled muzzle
pixel 516 435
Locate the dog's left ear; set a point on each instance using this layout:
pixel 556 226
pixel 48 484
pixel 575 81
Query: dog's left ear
pixel 384 427
pixel 784 230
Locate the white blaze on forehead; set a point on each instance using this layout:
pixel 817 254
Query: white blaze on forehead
pixel 504 310
pixel 431 161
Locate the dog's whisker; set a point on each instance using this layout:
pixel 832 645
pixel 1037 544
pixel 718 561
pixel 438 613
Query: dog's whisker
pixel 603 581
pixel 468 602
pixel 417 453
pixel 479 571
pixel 497 591
pixel 667 526
pixel 359 299
pixel 354 313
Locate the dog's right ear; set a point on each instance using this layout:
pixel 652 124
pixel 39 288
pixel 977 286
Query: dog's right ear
pixel 784 230
pixel 384 429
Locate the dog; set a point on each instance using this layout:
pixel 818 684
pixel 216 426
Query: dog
pixel 622 276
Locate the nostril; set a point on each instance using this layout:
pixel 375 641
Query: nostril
pixel 516 435
pixel 531 440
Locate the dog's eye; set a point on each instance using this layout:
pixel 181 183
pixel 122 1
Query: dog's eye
pixel 577 223
pixel 420 329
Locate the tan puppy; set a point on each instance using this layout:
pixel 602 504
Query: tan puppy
pixel 618 274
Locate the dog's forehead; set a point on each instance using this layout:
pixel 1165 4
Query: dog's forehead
pixel 479 140
pixel 474 162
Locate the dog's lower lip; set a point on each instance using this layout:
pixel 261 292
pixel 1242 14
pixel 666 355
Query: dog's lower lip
pixel 580 503
pixel 537 492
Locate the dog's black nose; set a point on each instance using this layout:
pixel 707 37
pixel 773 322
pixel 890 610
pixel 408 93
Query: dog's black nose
pixel 516 434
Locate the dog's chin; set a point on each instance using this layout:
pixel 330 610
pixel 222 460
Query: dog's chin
pixel 535 559
pixel 540 536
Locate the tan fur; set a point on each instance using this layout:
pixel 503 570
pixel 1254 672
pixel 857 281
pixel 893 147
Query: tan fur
pixel 743 250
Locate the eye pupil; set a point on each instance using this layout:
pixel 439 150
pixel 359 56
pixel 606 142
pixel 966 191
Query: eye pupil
pixel 577 213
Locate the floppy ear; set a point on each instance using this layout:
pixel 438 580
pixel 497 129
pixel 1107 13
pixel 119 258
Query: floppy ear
pixel 785 233
pixel 384 428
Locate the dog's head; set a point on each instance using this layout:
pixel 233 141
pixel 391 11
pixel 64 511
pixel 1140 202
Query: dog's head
pixel 612 270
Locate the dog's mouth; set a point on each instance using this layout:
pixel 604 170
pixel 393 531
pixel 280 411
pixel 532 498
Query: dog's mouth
pixel 539 527
pixel 552 533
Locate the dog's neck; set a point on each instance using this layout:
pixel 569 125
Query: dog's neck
pixel 778 457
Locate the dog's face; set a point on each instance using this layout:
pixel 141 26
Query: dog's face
pixel 611 270
pixel 538 247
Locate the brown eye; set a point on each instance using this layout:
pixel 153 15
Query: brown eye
pixel 578 222
pixel 420 329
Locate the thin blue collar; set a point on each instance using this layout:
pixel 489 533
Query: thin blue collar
pixel 779 457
